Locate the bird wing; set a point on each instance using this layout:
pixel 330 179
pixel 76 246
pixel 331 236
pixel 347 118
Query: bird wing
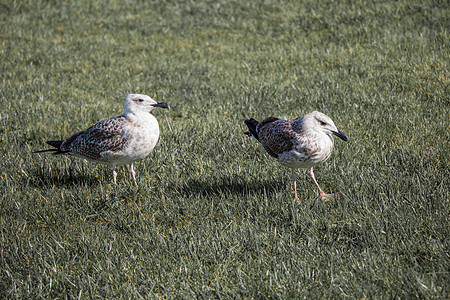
pixel 252 124
pixel 276 135
pixel 99 140
pixel 297 125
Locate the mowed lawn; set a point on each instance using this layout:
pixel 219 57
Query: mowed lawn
pixel 214 215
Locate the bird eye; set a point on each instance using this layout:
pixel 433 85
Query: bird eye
pixel 141 100
pixel 322 123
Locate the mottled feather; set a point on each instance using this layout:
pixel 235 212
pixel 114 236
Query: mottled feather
pixel 121 140
pixel 275 136
pixel 100 141
pixel 298 143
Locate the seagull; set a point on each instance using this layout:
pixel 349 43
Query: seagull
pixel 118 141
pixel 298 143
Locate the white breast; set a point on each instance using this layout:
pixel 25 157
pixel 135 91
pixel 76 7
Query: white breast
pixel 308 153
pixel 143 137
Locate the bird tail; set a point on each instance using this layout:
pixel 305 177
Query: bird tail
pixel 252 124
pixel 56 150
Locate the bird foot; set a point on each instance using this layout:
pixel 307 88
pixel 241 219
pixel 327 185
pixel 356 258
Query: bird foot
pixel 328 197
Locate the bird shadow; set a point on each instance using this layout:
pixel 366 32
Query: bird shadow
pixel 64 177
pixel 235 185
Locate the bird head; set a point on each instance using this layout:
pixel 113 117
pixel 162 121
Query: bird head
pixel 324 124
pixel 141 103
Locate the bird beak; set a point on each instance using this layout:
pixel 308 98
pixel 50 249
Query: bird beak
pixel 161 104
pixel 340 135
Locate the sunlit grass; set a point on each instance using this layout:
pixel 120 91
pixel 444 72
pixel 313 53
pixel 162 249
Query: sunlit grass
pixel 213 216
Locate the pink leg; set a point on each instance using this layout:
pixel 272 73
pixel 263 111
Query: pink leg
pixel 294 178
pixel 326 197
pixel 114 174
pixel 133 174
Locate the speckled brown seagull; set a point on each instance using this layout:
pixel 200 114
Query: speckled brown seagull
pixel 117 141
pixel 299 143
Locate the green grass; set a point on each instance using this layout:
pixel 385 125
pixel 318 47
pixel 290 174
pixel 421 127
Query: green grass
pixel 213 216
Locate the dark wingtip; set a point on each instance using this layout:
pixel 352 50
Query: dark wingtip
pixel 251 124
pixel 56 144
pixel 56 150
pixel 46 150
pixel 249 121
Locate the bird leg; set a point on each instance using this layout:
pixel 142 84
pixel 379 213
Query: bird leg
pixel 133 175
pixel 294 178
pixel 326 197
pixel 114 174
